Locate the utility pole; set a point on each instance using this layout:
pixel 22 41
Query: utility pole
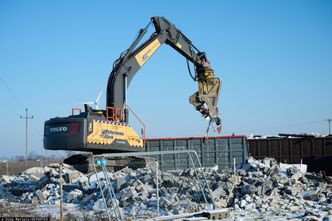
pixel 26 118
pixel 329 122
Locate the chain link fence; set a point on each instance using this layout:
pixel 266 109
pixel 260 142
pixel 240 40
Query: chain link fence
pixel 144 190
pixel 12 167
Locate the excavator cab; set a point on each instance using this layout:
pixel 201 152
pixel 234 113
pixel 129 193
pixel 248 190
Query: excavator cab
pixel 92 130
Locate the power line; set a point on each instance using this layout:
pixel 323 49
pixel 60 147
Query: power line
pixel 6 107
pixel 19 102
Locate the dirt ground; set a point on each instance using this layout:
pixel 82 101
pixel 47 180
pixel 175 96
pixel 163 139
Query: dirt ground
pixel 51 212
pixel 8 209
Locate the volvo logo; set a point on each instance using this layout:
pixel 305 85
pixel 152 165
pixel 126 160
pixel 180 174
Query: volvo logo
pixel 58 129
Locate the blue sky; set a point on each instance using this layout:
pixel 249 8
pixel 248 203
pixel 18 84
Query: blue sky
pixel 274 58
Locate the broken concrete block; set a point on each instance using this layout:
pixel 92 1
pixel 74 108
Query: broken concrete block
pixel 25 196
pixel 268 162
pixel 40 195
pixel 311 218
pixel 70 187
pixel 6 179
pixel 291 191
pixel 248 189
pixel 72 176
pixel 293 208
pixel 33 178
pixel 327 218
pixel 147 178
pixel 295 177
pixel 323 199
pixel 309 203
pixel 132 211
pixel 243 204
pixel 274 192
pixel 54 165
pixel 179 207
pixel 169 180
pixel 74 195
pixel 260 190
pixel 265 206
pixel 256 174
pixel 93 178
pixel 250 207
pixel 189 172
pixel 34 201
pixel 37 172
pixel 120 183
pixel 242 172
pixel 248 198
pixel 310 195
pixel 141 187
pixel 236 207
pixel 219 193
pixel 88 198
pixel 261 165
pixel 46 193
pixel 127 193
pixel 245 166
pixel 99 205
pixel 83 181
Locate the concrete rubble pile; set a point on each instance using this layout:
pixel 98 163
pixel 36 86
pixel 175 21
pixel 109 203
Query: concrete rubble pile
pixel 265 188
pixel 259 187
pixel 135 190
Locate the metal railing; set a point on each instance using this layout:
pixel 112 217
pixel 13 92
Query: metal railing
pixel 147 192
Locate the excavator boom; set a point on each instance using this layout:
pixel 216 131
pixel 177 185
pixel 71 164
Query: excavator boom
pixel 128 64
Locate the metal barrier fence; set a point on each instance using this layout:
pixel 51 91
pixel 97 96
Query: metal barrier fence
pixel 143 191
pixel 220 150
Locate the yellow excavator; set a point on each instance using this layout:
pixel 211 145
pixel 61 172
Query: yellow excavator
pixel 102 131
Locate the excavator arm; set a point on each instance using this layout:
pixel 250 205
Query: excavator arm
pixel 130 61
